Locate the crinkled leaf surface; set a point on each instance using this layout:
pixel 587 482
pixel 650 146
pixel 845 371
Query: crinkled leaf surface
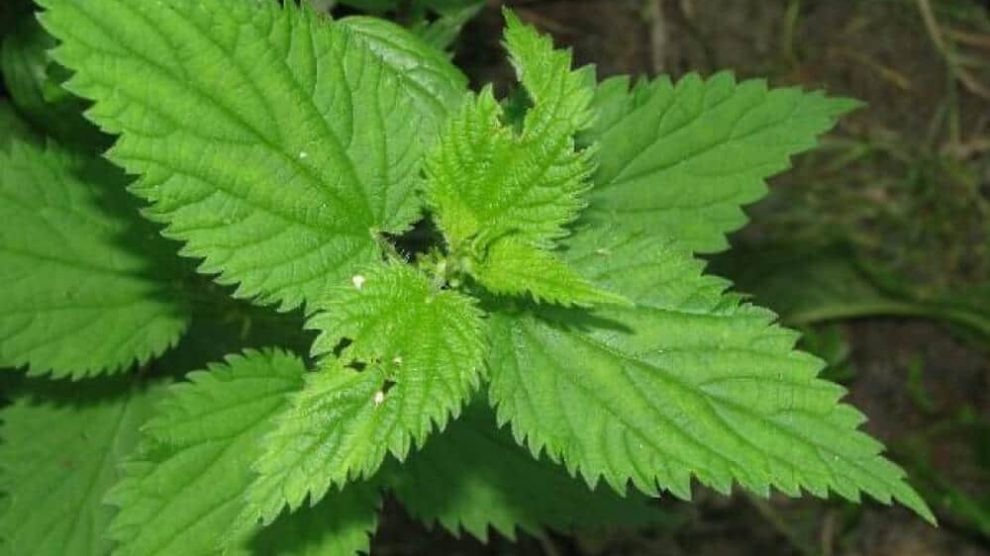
pixel 513 267
pixel 87 288
pixel 474 476
pixel 62 445
pixel 681 159
pixel 183 488
pixel 413 356
pixel 690 383
pixel 275 143
pixel 486 180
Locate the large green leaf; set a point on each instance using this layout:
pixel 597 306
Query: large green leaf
pixel 688 384
pixel 680 160
pixel 278 145
pixel 474 476
pixel 87 287
pixel 182 490
pixel 413 356
pixel 62 445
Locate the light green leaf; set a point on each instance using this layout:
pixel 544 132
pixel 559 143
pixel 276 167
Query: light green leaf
pixel 689 384
pixel 61 445
pixel 515 268
pixel 486 181
pixel 474 476
pixel 87 288
pixel 278 145
pixel 413 356
pixel 680 160
pixel 184 487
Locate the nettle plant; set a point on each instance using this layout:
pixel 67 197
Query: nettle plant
pixel 478 273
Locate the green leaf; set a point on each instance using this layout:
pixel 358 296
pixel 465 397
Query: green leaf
pixel 61 447
pixel 474 476
pixel 340 525
pixel 413 356
pixel 689 384
pixel 275 143
pixel 424 70
pixel 34 82
pixel 561 98
pixel 680 160
pixel 184 487
pixel 812 284
pixel 442 32
pixel 486 180
pixel 12 128
pixel 85 288
pixel 513 267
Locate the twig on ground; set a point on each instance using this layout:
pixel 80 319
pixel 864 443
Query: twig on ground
pixel 658 34
pixel 970 82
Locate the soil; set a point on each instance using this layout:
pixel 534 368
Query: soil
pixel 910 376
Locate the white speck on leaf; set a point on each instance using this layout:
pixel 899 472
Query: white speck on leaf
pixel 303 154
pixel 358 281
pixel 379 398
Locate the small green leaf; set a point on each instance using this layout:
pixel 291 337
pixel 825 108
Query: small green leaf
pixel 680 160
pixel 184 487
pixel 486 180
pixel 561 97
pixel 515 268
pixel 442 32
pixel 275 143
pixel 689 384
pixel 87 287
pixel 413 356
pixel 473 477
pixel 61 448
